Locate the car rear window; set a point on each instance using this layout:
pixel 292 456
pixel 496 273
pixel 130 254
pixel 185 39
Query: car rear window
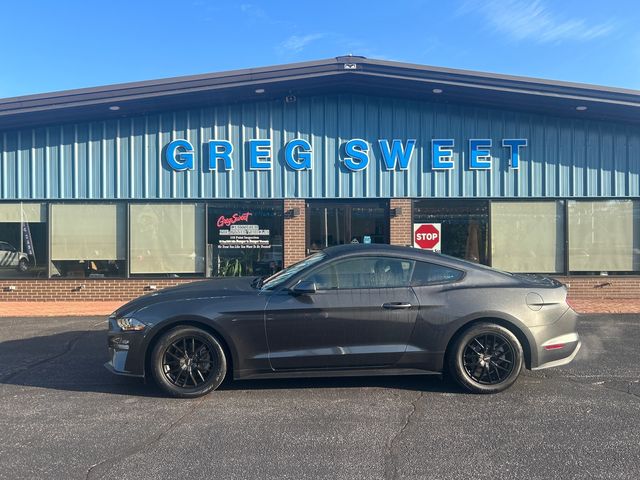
pixel 430 274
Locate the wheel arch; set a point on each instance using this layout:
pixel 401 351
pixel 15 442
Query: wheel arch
pixel 192 321
pixel 509 325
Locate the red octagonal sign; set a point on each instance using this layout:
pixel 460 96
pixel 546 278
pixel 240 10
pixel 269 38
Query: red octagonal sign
pixel 427 236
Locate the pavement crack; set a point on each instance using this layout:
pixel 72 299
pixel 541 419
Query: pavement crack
pixel 69 346
pixel 390 463
pixel 101 468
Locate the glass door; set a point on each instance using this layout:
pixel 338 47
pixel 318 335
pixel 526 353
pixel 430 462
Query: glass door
pixel 337 223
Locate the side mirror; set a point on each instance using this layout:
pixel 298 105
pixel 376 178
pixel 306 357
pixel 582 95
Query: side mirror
pixel 304 287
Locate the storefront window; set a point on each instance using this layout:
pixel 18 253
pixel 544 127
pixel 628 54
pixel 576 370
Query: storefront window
pixel 245 238
pixel 23 240
pixel 528 236
pixel 604 236
pixel 167 239
pixel 88 240
pixel 464 226
pixel 335 223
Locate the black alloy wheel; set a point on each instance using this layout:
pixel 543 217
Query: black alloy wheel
pixel 486 358
pixel 188 362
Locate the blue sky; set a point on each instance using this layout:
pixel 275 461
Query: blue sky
pixel 49 46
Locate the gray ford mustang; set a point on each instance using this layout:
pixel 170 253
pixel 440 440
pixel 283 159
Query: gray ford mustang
pixel 348 310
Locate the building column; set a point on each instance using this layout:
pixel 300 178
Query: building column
pixel 401 225
pixel 295 230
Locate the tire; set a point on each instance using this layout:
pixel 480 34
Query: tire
pixel 485 358
pixel 197 373
pixel 23 265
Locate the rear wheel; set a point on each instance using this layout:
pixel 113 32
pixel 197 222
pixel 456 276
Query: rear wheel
pixel 188 362
pixel 486 358
pixel 23 265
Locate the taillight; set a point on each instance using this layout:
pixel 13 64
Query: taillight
pixel 554 346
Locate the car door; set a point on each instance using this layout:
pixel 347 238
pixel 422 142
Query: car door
pixel 361 315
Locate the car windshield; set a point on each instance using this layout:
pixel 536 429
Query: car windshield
pixel 282 276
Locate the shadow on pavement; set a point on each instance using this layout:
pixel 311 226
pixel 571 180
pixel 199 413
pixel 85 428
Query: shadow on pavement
pixel 73 361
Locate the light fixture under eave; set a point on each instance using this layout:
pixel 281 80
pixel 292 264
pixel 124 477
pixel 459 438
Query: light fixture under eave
pixel 581 108
pixel 437 90
pixel 259 90
pixel 114 108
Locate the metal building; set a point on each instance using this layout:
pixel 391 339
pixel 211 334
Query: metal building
pixel 119 188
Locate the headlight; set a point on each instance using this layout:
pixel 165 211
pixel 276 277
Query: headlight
pixel 130 324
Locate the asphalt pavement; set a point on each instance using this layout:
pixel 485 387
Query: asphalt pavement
pixel 62 415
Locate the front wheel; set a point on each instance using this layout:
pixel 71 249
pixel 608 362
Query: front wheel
pixel 486 358
pixel 188 362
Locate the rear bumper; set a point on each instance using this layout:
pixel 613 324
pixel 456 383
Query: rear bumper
pixel 561 361
pixel 556 344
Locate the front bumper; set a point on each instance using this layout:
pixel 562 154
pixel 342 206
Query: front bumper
pixel 110 366
pixel 126 351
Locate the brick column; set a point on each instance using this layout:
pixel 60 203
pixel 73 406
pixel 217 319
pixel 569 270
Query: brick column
pixel 401 226
pixel 295 231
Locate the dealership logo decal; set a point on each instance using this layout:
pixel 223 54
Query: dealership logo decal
pixel 355 154
pixel 235 218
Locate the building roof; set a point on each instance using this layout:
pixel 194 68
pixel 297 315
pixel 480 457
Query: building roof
pixel 347 74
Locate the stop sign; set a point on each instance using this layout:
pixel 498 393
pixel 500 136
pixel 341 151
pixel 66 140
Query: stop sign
pixel 427 236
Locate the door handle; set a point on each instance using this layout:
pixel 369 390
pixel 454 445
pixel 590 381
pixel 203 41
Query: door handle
pixel 396 305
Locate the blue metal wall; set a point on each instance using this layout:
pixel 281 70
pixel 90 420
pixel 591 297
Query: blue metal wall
pixel 122 159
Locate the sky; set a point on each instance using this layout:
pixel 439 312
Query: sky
pixel 51 45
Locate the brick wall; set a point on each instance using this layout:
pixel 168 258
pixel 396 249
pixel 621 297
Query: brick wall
pixel 295 230
pixel 81 289
pixel 603 287
pixel 401 226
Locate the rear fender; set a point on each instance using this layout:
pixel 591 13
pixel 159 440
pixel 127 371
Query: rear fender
pixel 510 322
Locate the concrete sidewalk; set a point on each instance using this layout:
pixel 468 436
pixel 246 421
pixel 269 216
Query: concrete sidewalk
pixel 58 309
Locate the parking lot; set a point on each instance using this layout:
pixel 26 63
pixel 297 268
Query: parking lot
pixel 62 415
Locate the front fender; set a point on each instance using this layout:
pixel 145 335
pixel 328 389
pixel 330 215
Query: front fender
pixel 237 321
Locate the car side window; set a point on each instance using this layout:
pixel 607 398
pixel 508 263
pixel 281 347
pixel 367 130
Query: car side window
pixel 425 273
pixel 363 272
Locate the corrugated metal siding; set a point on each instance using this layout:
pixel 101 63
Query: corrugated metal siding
pixel 121 159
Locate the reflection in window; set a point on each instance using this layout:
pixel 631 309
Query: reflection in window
pixel 23 240
pixel 363 272
pixel 167 239
pixel 245 238
pixel 88 240
pixel 465 226
pixel 425 273
pixel 338 223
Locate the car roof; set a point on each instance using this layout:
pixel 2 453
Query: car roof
pixel 384 249
pixel 405 252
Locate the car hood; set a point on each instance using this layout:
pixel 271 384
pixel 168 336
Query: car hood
pixel 215 287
